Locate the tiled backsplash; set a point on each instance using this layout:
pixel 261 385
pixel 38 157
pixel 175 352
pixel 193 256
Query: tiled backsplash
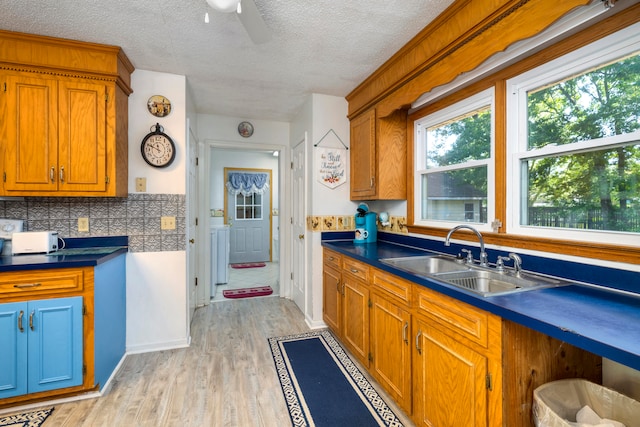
pixel 397 224
pixel 137 216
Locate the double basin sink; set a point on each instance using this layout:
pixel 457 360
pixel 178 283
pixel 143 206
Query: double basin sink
pixel 485 281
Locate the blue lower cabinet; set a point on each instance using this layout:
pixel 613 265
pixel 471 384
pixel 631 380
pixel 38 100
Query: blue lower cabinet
pixel 13 349
pixel 44 342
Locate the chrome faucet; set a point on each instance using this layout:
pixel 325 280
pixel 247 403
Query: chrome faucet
pixel 483 254
pixel 517 263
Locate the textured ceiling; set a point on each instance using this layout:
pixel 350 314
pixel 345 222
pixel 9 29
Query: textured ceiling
pixel 318 46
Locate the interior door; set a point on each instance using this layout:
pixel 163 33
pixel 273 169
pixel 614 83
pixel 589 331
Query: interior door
pixel 298 220
pixel 193 245
pixel 250 222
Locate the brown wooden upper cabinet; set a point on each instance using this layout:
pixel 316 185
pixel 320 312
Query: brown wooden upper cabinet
pixel 379 156
pixel 65 114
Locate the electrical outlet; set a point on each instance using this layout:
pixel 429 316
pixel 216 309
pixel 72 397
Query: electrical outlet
pixel 168 223
pixel 83 225
pixel 141 185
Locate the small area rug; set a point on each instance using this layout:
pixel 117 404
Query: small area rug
pixel 26 419
pixel 248 265
pixel 247 292
pixel 323 387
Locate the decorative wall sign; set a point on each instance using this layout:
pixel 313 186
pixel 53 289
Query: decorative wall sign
pixel 159 106
pixel 331 166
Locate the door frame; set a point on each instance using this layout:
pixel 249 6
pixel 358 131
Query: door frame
pixel 270 212
pixel 284 178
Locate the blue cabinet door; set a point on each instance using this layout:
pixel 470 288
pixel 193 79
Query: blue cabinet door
pixel 13 349
pixel 54 344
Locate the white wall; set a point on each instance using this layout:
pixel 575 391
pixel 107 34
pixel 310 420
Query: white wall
pixel 156 281
pixel 319 115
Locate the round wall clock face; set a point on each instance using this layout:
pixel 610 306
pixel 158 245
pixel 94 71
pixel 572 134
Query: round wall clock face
pixel 159 106
pixel 158 149
pixel 245 129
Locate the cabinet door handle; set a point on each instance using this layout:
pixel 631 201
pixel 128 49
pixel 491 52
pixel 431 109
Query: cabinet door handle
pixel 20 327
pixel 27 285
pixel 62 174
pixel 372 182
pixel 342 288
pixel 331 258
pixel 31 319
pixel 338 286
pixel 354 270
pixel 418 342
pixel 405 329
pixel 52 174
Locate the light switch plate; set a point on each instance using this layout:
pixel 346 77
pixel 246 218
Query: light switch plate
pixel 141 185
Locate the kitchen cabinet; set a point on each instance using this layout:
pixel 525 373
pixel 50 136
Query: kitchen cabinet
pixel 390 336
pixel 378 156
pixel 457 363
pixel 355 308
pixel 42 345
pixel 332 290
pixel 59 298
pixel 65 129
pixel 444 361
pixel 346 302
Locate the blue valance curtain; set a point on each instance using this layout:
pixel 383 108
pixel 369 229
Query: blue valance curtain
pixel 247 183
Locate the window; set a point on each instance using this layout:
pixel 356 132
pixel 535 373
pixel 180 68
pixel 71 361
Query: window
pixel 248 206
pixel 454 164
pixel 574 143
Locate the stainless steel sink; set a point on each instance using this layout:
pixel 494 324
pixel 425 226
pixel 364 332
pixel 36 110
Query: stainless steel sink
pixel 484 281
pixel 490 283
pixel 426 265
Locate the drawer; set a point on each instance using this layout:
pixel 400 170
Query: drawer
pixel 39 282
pixel 393 286
pixel 465 321
pixel 355 268
pixel 332 258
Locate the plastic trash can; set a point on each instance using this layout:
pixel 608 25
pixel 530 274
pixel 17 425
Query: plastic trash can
pixel 557 402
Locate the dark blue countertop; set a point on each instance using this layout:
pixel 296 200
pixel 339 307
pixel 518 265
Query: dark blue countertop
pixel 77 252
pixel 601 321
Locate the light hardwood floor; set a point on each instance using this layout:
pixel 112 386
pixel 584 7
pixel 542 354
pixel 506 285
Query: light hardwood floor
pixel 225 378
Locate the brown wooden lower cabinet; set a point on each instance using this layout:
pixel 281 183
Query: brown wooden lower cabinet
pixel 444 362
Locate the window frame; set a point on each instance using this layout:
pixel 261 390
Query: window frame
pixel 595 54
pixel 460 108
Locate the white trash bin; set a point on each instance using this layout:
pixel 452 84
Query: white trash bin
pixel 557 402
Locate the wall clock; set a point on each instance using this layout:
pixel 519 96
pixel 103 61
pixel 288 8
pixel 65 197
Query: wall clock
pixel 245 129
pixel 157 148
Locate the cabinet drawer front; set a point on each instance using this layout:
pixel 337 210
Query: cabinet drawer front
pixel 30 283
pixel 332 258
pixel 460 318
pixel 393 286
pixel 355 268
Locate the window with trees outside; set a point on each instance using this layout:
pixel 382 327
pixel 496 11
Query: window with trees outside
pixel 454 164
pixel 573 135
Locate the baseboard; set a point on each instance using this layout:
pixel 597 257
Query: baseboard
pixel 148 348
pixel 52 402
pixel 315 324
pixel 107 385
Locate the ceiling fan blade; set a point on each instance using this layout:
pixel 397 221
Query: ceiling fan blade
pixel 253 22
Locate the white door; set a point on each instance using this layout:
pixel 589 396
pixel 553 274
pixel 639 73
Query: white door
pixel 250 223
pixel 298 220
pixel 192 230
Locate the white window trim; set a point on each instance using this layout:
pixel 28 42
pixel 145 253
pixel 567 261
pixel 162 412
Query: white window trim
pixel 602 51
pixel 477 101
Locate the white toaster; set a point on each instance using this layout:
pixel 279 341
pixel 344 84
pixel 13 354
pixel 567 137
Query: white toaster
pixel 34 242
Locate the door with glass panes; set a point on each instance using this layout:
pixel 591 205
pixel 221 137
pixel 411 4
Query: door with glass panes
pixel 249 217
